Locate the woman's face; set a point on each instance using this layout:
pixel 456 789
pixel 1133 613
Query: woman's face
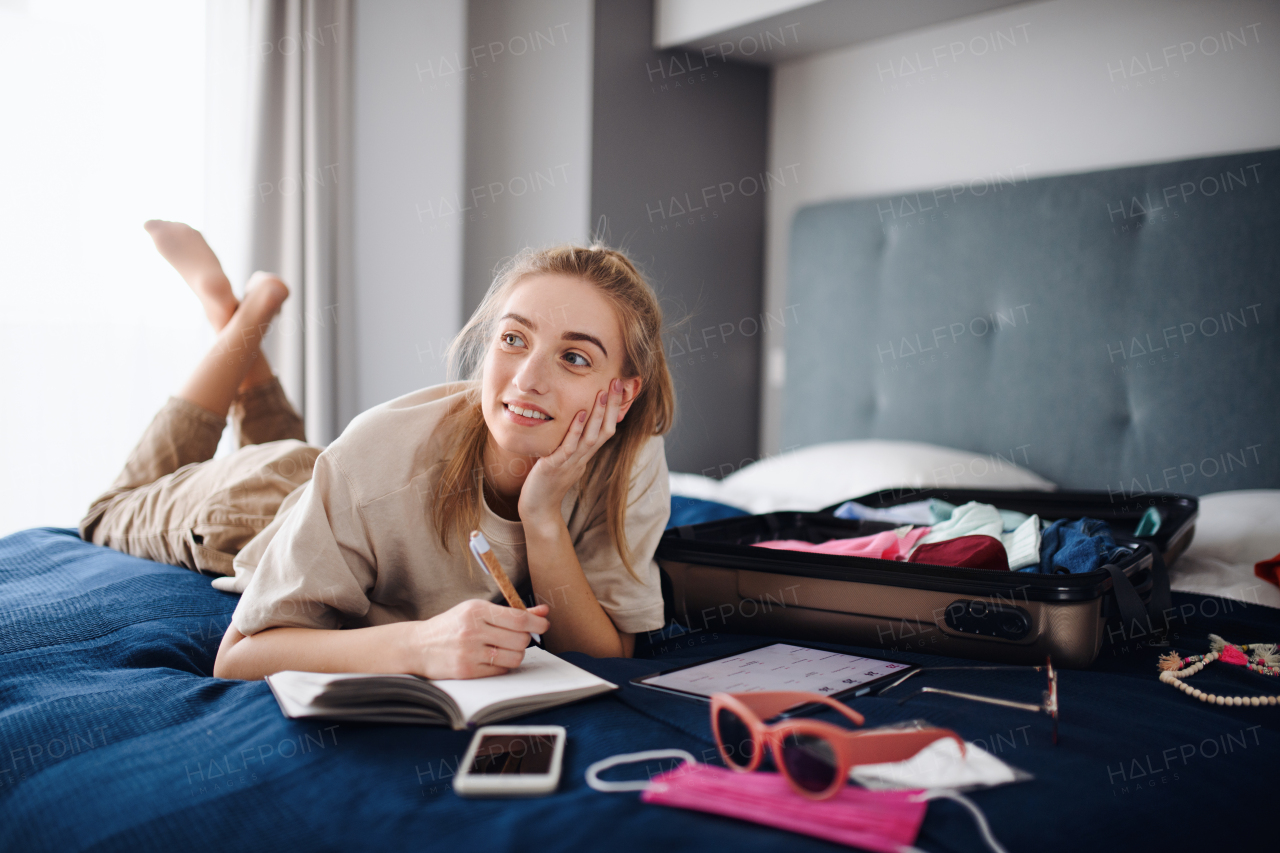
pixel 556 346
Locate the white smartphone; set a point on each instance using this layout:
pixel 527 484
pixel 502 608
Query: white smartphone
pixel 511 761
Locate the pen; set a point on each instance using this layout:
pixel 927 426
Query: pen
pixel 492 568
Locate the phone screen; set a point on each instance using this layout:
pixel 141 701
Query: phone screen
pixel 506 755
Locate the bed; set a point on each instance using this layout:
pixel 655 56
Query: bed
pixel 114 735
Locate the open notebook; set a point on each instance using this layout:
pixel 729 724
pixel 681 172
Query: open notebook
pixel 542 681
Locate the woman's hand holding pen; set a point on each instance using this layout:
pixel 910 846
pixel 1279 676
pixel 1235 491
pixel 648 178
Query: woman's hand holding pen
pixel 471 640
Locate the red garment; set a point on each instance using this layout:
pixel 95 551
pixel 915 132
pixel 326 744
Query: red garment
pixel 1267 570
pixel 970 552
pixel 883 546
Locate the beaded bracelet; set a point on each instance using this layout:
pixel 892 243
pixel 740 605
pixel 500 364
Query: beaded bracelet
pixel 1265 660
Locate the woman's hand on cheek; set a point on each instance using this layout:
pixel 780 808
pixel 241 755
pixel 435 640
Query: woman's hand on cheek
pixel 552 476
pixel 472 640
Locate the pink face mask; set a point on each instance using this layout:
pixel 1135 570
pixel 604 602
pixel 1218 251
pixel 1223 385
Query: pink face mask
pixel 884 820
pixel 880 821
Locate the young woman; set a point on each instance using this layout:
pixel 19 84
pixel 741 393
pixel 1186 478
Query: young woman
pixel 552 448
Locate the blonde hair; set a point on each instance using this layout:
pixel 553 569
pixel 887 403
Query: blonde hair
pixel 651 412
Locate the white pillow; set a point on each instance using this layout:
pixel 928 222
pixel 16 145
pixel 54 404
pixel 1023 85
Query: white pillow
pixel 1235 530
pixel 818 476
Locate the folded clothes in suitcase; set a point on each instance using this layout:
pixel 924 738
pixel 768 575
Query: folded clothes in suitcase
pixel 715 578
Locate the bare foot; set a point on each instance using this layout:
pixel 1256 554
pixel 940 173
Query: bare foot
pixel 186 250
pixel 260 372
pixel 232 358
pixel 263 296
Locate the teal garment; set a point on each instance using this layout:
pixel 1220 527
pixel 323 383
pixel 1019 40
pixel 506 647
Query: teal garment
pixel 940 511
pixel 1022 544
pixel 1012 520
pixel 1150 523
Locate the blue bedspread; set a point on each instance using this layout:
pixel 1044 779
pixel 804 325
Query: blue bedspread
pixel 114 736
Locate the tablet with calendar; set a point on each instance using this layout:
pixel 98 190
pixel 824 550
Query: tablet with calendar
pixel 778 666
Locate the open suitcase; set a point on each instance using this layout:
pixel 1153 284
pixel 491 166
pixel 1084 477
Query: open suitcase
pixel 715 580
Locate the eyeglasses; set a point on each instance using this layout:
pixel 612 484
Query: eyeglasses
pixel 1048 699
pixel 812 755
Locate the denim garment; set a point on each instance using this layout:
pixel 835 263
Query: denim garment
pixel 1083 545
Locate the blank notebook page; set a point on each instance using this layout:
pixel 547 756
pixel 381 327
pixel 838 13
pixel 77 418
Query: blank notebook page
pixel 540 673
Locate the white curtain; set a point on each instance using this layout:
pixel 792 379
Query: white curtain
pixel 280 115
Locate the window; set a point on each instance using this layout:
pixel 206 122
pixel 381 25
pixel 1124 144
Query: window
pixel 103 109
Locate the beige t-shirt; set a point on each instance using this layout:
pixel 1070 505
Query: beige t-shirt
pixel 356 545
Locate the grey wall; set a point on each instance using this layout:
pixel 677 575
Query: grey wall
pixel 678 149
pixel 486 126
pixel 408 152
pixel 528 70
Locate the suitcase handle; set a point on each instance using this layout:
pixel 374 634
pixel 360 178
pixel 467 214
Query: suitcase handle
pixel 1161 603
pixel 1133 614
pixel 1131 610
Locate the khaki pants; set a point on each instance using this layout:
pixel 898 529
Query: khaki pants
pixel 174 503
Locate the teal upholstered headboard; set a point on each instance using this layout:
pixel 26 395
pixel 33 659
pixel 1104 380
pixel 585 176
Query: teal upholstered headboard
pixel 1113 330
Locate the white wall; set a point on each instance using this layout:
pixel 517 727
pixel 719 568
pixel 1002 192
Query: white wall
pixel 410 103
pixel 1040 89
pixel 96 329
pixel 677 21
pixel 226 136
